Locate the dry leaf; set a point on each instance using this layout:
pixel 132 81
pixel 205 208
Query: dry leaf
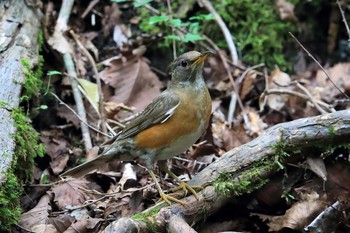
pixel 65 113
pixel 111 17
pixel 70 193
pixel 340 75
pixel 44 228
pixel 277 80
pixel 300 214
pixel 57 148
pixel 79 226
pixel 121 33
pixel 226 137
pixel 62 222
pixel 317 165
pixel 248 83
pixel 286 10
pixel 37 216
pixel 134 82
pixel 257 125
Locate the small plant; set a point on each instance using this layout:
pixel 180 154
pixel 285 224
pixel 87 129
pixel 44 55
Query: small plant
pixel 258 32
pixel 174 27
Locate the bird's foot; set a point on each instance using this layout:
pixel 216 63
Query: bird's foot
pixel 168 198
pixel 186 187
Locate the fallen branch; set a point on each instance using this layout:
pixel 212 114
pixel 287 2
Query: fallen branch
pixel 253 163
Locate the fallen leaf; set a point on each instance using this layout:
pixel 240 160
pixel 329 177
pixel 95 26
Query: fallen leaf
pixel 277 80
pixel 44 228
pixel 340 74
pixel 257 125
pixel 286 10
pixel 300 214
pixel 133 81
pixel 248 83
pixel 37 216
pixel 62 222
pixel 317 165
pixel 90 92
pixel 226 137
pixel 57 148
pixel 111 17
pixel 69 116
pixel 79 226
pixel 70 193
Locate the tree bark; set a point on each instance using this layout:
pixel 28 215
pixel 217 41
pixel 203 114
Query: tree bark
pixel 19 28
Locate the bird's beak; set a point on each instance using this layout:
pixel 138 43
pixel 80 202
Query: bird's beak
pixel 202 58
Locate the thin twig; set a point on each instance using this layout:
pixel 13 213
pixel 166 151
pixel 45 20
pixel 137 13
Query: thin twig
pixel 77 115
pixel 224 29
pixel 311 98
pixel 172 28
pixel 344 19
pixel 294 93
pixel 98 80
pixel 232 108
pixel 91 5
pixel 81 206
pixel 244 74
pixel 323 69
pixel 234 57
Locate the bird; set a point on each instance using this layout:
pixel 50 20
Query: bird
pixel 168 126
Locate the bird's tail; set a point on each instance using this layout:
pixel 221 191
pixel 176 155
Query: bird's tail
pixel 87 167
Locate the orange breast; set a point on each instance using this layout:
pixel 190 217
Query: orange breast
pixel 185 120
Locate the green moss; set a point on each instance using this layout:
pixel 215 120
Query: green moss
pixel 33 84
pixel 258 32
pixel 27 147
pixel 332 131
pixel 9 202
pixel 5 104
pixel 246 182
pixel 147 215
pixel 250 178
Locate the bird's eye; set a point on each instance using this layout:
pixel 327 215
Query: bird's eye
pixel 183 63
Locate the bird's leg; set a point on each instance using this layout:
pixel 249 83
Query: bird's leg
pixel 182 185
pixel 165 197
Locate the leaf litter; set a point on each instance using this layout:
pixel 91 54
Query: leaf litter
pixel 130 82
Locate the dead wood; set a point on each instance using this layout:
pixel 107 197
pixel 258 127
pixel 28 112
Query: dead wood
pixel 330 129
pixel 19 28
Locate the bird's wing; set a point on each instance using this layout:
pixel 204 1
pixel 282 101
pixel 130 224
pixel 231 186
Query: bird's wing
pixel 158 111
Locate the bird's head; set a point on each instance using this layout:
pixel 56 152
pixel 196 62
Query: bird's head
pixel 188 66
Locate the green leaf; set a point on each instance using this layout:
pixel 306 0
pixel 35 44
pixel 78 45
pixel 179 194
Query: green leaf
pixel 43 107
pixel 91 92
pixel 178 23
pixel 158 19
pixel 191 37
pixel 140 3
pixel 202 17
pixel 43 179
pixel 172 37
pixel 53 72
pixel 194 27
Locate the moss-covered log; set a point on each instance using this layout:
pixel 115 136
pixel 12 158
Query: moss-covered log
pixel 248 167
pixel 19 33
